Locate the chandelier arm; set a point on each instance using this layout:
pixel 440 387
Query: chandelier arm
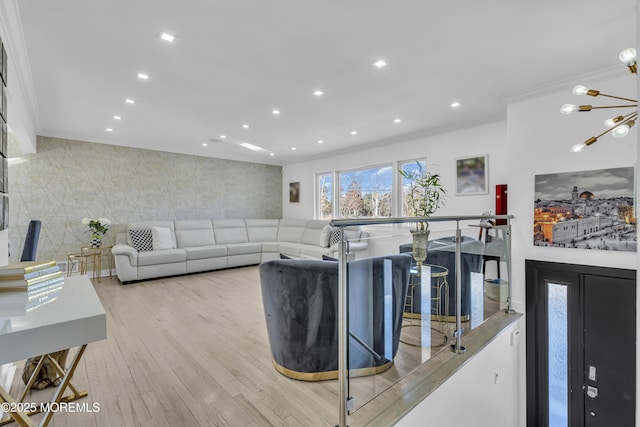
pixel 618 97
pixel 614 106
pixel 628 117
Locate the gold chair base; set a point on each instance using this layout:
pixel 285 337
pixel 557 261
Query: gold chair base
pixel 329 375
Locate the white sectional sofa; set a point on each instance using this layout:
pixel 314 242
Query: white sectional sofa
pixel 191 246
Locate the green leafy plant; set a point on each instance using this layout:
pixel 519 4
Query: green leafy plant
pixel 97 226
pixel 425 194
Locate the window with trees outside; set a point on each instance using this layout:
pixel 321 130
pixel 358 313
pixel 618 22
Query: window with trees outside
pixel 325 195
pixel 410 166
pixel 365 193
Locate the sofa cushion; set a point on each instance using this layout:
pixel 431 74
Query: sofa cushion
pixel 146 225
pixel 262 230
pixel 243 248
pixel 352 233
pixel 325 235
pixel 190 233
pixel 291 249
pixel 312 231
pixel 142 240
pixel 161 257
pixel 230 231
pixel 291 230
pixel 161 238
pixel 270 246
pixel 203 252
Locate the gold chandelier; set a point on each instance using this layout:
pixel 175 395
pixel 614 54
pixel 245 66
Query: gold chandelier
pixel 619 125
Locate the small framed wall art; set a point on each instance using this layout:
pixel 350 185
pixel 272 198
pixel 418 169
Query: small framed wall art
pixel 294 192
pixel 472 175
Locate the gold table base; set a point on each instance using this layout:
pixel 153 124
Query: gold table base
pixel 22 418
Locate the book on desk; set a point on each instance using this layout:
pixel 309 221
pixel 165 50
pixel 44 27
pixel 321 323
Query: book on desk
pixel 29 275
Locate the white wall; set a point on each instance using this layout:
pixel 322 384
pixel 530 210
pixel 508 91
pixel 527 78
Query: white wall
pixel 481 399
pixel 440 151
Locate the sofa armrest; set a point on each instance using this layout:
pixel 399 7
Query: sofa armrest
pixel 358 250
pixel 126 260
pixel 126 250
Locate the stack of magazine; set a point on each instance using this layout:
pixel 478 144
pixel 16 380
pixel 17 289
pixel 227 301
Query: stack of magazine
pixel 27 285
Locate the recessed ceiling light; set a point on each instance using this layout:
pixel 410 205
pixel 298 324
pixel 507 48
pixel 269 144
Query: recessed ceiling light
pixel 318 92
pixel 275 112
pixel 109 130
pixel 397 120
pixel 130 101
pixel 167 37
pixel 246 126
pixel 320 141
pixel 223 136
pixel 380 63
pixel 293 148
pixel 271 154
pixel 204 144
pixel 251 146
pixel 455 104
pixel 354 132
pixel 117 117
pixel 143 76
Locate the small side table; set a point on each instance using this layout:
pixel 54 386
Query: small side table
pixel 102 251
pixel 83 259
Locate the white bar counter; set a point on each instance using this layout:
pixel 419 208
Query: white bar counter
pixel 75 317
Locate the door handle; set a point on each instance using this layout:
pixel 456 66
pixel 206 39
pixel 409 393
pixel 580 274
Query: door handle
pixel 592 392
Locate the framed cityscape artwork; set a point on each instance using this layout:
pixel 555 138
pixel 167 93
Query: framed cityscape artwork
pixel 586 210
pixel 471 175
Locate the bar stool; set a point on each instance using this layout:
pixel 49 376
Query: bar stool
pixel 83 259
pixel 439 288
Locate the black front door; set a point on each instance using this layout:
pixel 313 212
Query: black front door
pixel 580 345
pixel 609 356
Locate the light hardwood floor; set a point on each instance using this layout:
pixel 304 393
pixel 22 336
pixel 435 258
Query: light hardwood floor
pixel 193 350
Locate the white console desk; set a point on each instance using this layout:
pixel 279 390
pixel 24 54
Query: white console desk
pixel 74 318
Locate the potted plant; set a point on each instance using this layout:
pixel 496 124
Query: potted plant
pixel 425 196
pixel 97 227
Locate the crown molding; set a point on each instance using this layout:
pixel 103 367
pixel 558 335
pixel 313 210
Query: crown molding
pixel 562 85
pixel 21 87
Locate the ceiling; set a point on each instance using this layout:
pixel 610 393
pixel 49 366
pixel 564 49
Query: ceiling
pixel 233 62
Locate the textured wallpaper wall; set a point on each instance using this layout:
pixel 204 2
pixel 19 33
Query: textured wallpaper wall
pixel 67 180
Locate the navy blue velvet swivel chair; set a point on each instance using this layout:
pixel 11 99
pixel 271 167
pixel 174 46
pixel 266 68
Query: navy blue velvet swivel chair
pixel 31 241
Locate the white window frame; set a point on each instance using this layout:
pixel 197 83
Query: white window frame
pixel 396 185
pixel 317 204
pixel 336 203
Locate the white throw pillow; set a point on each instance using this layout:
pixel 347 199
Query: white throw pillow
pixel 161 238
pixel 325 235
